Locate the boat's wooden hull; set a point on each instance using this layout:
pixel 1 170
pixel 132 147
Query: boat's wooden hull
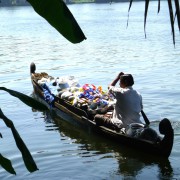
pixel 162 149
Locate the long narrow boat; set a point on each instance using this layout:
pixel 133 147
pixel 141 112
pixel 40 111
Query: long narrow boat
pixel 161 146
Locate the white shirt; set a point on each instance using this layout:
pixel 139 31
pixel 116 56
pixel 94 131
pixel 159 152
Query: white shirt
pixel 128 105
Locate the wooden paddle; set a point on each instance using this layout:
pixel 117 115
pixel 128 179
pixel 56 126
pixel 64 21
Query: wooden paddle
pixel 145 118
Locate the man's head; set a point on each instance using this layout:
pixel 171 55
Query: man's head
pixel 126 80
pixel 32 68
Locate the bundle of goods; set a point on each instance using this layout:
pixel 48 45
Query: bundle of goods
pixel 68 88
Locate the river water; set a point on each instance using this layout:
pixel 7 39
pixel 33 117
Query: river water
pixel 60 149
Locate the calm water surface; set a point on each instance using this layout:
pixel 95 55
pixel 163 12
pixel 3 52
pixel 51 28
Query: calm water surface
pixel 60 149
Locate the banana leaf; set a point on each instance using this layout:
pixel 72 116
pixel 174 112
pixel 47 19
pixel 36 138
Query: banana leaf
pixel 28 160
pixel 6 164
pixel 26 99
pixel 59 16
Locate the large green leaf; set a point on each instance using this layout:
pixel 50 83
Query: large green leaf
pixel 26 99
pixel 59 16
pixel 28 160
pixel 6 164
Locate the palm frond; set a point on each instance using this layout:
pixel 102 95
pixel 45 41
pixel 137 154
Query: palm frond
pixel 159 5
pixel 171 19
pixel 145 15
pixel 130 4
pixel 177 12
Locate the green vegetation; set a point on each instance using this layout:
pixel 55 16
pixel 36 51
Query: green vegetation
pixel 13 3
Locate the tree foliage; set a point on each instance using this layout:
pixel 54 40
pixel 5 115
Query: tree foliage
pixel 174 14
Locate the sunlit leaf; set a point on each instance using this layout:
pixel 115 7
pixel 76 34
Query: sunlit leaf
pixel 6 164
pixel 28 160
pixel 26 99
pixel 59 16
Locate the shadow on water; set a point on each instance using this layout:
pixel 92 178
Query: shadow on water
pixel 131 162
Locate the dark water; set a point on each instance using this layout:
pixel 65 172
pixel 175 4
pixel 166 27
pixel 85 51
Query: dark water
pixel 60 149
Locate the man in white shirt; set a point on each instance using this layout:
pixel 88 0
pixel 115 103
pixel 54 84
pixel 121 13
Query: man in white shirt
pixel 128 101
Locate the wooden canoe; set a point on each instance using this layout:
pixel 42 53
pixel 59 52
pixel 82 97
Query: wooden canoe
pixel 161 148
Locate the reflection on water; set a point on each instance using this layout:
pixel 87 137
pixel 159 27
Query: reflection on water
pixel 132 165
pixel 131 162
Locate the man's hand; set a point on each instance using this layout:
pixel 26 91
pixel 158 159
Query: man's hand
pixel 120 74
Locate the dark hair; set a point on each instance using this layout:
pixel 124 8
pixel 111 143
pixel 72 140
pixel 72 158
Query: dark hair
pixel 32 68
pixel 127 79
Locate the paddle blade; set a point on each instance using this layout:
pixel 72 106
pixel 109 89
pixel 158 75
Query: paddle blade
pixel 26 99
pixel 145 117
pixel 59 16
pixel 28 160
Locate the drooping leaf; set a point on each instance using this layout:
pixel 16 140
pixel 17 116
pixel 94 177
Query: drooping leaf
pixel 177 12
pixel 145 15
pixel 159 5
pixel 6 164
pixel 6 121
pixel 171 19
pixel 28 160
pixel 130 4
pixel 26 99
pixel 59 16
